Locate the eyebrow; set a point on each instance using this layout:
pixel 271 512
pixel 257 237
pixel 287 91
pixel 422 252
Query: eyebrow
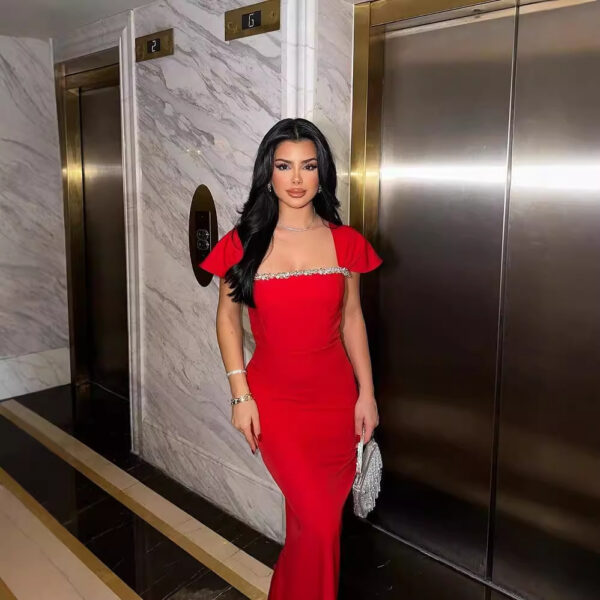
pixel 290 162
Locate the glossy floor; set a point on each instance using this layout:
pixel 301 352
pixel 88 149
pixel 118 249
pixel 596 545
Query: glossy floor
pixel 150 564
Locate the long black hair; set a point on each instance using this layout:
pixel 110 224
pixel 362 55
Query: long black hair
pixel 260 213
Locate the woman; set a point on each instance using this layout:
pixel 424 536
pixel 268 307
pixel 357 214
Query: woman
pixel 296 266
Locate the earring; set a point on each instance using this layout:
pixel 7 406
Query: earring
pixel 270 187
pixel 320 188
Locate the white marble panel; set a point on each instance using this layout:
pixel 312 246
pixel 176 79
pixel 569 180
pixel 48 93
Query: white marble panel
pixel 133 213
pixel 34 372
pixel 298 56
pixel 33 295
pixel 97 36
pixel 316 75
pixel 241 496
pixel 186 390
pixel 201 115
pixel 333 96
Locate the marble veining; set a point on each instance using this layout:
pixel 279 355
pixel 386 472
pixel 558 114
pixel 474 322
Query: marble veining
pixel 87 39
pixel 33 293
pixel 332 110
pixel 262 505
pixel 201 115
pixel 34 372
pixel 298 57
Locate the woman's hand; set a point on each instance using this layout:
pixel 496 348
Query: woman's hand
pixel 244 417
pixel 365 413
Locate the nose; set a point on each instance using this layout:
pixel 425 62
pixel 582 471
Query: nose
pixel 297 177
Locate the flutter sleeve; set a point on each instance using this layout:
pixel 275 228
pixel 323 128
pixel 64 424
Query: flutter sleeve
pixel 360 254
pixel 227 252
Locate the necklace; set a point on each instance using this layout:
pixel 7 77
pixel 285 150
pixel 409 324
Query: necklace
pixel 300 228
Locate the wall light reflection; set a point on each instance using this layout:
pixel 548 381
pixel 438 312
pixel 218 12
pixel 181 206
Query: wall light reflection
pixel 551 176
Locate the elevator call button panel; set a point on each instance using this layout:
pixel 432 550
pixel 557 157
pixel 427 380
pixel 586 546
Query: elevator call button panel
pixel 203 231
pixel 202 234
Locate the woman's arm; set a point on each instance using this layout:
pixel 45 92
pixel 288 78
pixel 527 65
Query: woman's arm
pixel 354 337
pixel 244 415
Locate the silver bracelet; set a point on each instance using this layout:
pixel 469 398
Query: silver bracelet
pixel 235 371
pixel 242 398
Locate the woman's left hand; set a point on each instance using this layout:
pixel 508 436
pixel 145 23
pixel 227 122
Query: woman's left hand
pixel 365 413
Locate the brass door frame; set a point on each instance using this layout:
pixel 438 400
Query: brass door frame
pixel 69 84
pixel 370 22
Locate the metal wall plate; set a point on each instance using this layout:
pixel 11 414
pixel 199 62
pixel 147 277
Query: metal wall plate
pixel 252 20
pixel 203 231
pixel 154 45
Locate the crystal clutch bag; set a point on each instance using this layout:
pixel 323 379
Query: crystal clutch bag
pixel 367 480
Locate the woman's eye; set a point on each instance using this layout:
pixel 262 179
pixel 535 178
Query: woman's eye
pixel 284 167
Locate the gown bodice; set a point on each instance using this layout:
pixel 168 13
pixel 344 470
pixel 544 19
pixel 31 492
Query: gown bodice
pixel 298 311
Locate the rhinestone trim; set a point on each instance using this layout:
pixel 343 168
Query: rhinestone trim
pixel 297 272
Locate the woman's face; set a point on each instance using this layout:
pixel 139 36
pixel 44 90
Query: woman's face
pixel 295 176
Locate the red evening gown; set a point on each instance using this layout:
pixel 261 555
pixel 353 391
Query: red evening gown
pixel 305 391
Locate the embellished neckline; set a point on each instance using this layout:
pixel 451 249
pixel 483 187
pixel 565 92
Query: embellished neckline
pixel 297 272
pixel 314 271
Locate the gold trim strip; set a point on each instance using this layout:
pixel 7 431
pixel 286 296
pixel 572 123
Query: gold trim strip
pixel 59 80
pixel 244 572
pixel 358 143
pixel 373 135
pixel 95 78
pixel 365 147
pixel 102 73
pixel 75 235
pixel 5 593
pixel 388 11
pixel 90 560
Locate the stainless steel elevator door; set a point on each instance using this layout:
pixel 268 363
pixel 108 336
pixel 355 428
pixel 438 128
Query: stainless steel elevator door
pixel 105 259
pixel 444 138
pixel 548 512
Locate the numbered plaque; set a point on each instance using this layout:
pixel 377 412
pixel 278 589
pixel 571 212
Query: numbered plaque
pixel 154 45
pixel 252 20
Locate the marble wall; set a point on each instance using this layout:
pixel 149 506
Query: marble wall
pixel 332 108
pixel 34 336
pixel 201 115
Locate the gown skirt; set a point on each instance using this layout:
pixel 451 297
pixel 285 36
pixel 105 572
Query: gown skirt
pixel 304 386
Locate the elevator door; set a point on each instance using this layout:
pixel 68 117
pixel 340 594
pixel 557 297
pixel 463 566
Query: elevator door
pixel 445 118
pixel 103 216
pixel 486 336
pixel 548 509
